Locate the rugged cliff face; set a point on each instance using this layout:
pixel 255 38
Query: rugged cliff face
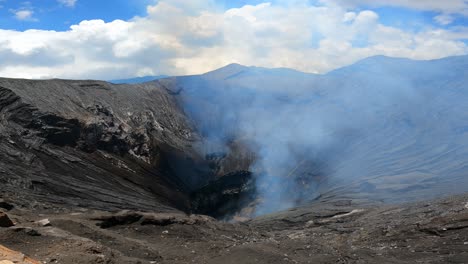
pixel 99 145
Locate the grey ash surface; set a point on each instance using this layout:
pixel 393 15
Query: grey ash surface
pixel 333 231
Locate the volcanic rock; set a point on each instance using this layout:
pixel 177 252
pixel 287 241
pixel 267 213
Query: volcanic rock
pixel 8 256
pixel 43 222
pixel 5 220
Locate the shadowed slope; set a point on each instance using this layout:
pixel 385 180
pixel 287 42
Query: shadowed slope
pixel 93 144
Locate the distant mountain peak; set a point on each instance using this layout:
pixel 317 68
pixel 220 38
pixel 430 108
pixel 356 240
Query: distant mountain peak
pixel 226 71
pixel 234 70
pixel 234 65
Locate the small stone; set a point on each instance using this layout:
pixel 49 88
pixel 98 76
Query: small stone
pixel 466 205
pixel 5 220
pixel 465 243
pixel 165 232
pixel 76 214
pixel 43 222
pixel 310 223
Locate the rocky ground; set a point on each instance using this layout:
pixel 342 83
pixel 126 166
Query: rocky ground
pixel 334 231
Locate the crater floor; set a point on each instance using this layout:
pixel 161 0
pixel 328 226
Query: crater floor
pixel 326 231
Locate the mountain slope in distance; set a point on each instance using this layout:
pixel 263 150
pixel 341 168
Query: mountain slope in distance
pixel 137 80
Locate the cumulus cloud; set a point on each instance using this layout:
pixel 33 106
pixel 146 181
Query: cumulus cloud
pixel 444 19
pixel 24 14
pixel 177 38
pixel 446 6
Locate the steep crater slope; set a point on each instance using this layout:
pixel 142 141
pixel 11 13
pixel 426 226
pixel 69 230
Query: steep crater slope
pixel 93 144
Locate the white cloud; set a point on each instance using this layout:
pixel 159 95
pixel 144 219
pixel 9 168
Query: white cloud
pixel 69 3
pixel 175 39
pixel 24 14
pixel 445 6
pixel 444 19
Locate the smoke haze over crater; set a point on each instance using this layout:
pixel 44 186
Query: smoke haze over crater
pixel 372 128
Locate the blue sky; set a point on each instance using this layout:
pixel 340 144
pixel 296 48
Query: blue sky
pixel 120 38
pixel 54 15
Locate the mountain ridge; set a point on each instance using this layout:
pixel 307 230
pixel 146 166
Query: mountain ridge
pixel 137 80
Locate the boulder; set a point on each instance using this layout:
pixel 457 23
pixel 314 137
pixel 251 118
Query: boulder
pixel 5 221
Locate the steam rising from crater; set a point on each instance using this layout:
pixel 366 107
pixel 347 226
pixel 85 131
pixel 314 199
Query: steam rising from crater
pixel 381 123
